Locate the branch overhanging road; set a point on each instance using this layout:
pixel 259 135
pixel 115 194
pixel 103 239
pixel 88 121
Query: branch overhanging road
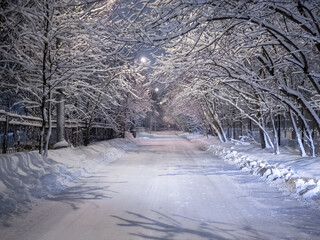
pixel 168 188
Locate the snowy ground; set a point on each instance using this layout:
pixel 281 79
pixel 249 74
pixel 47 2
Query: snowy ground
pixel 287 171
pixel 159 187
pixel 27 176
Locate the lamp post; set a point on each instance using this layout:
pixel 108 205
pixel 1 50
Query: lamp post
pixel 61 141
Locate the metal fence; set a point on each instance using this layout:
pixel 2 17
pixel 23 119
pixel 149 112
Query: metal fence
pixel 22 133
pixel 246 129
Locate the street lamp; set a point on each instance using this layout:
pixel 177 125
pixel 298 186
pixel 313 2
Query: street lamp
pixel 143 59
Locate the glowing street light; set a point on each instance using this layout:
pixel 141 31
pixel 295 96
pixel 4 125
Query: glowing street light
pixel 143 59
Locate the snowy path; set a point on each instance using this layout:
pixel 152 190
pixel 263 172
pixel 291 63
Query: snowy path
pixel 167 189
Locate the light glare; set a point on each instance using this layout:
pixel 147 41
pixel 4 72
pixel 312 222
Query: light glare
pixel 143 59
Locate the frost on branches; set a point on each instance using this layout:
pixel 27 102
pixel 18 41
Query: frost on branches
pixel 237 60
pixel 60 60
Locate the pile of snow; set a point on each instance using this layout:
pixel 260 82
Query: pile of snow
pixel 300 176
pixel 26 176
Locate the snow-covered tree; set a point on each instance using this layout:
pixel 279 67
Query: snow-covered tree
pixel 259 57
pixel 52 51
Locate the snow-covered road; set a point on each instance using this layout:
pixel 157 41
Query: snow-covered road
pixel 167 188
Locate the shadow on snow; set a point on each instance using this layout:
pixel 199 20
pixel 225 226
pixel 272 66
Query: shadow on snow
pixel 164 227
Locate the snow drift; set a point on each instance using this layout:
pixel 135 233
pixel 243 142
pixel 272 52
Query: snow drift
pixel 26 176
pixel 287 171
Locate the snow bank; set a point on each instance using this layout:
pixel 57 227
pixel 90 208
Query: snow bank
pixel 299 175
pixel 28 175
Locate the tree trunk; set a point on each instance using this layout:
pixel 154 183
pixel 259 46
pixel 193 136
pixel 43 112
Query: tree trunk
pixel 215 121
pixel 262 139
pixel 279 130
pixel 266 136
pixel 44 81
pixel 45 153
pixel 261 132
pixel 293 121
pixel 275 136
pixel 87 133
pixel 43 126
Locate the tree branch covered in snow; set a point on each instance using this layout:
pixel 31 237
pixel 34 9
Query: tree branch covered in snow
pixel 259 58
pixel 51 47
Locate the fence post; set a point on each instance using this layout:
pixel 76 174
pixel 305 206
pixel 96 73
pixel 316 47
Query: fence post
pixel 5 136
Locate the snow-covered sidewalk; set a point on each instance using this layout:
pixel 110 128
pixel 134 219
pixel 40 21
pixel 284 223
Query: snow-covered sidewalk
pixel 28 176
pixel 288 170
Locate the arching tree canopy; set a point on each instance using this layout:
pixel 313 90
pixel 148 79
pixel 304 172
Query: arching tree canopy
pixel 221 62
